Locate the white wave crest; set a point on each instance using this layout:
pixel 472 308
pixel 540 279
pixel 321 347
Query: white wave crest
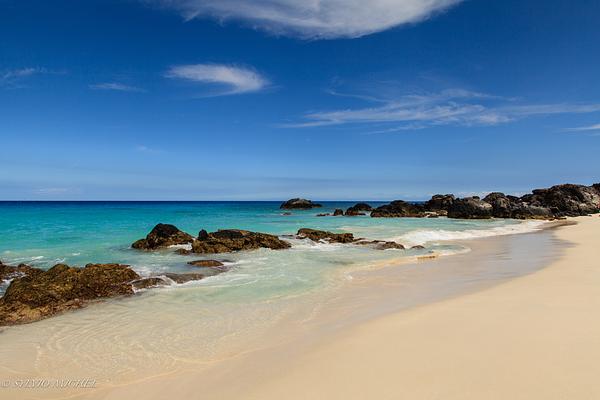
pixel 422 236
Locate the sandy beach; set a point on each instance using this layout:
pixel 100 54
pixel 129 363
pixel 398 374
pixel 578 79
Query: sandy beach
pixel 535 337
pixel 532 337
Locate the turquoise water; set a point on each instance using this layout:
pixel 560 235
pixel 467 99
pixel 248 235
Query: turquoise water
pixel 187 325
pixel 46 233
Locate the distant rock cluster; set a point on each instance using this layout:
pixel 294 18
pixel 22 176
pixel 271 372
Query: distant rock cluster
pixel 556 202
pixel 301 204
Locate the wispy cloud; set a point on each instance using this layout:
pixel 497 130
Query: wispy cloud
pixel 595 127
pixel 234 80
pixel 449 107
pixel 115 86
pixel 313 19
pixel 147 150
pixel 14 76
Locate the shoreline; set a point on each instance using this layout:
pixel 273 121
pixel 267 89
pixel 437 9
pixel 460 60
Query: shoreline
pixel 534 337
pixel 234 377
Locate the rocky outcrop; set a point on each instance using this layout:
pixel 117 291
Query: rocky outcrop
pixel 316 236
pixel 566 200
pixel 323 215
pixel 440 203
pixel 42 294
pixel 502 205
pixel 299 204
pixel 555 202
pixel 358 207
pixel 161 236
pixel 470 208
pixel 399 208
pixel 338 212
pixel 228 240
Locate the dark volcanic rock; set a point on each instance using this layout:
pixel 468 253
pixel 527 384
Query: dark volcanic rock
pixel 316 235
pixel 566 200
pixel 338 212
pixel 299 204
pixel 323 215
pixel 417 247
pixel 527 211
pixel 440 202
pixel 206 263
pixel 361 207
pixel 502 205
pixel 163 235
pixel 37 296
pixel 470 208
pixel 399 208
pixel 228 240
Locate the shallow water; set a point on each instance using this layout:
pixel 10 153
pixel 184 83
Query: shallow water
pixel 200 322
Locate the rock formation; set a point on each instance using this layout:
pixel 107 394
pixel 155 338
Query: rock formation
pixel 228 240
pixel 45 293
pixel 316 235
pixel 161 236
pixel 399 208
pixel 299 204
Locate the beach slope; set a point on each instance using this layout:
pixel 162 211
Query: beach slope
pixel 535 337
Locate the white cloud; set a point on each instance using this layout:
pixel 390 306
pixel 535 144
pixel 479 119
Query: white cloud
pixel 585 128
pixel 313 19
pixel 450 107
pixel 236 80
pixel 115 86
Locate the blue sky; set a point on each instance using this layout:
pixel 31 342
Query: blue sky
pixel 271 99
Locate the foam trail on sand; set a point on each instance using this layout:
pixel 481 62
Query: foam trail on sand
pixel 423 236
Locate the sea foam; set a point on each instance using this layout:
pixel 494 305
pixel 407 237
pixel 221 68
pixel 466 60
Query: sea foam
pixel 423 236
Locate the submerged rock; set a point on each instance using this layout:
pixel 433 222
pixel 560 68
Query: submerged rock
pixel 316 235
pixel 470 208
pixel 399 208
pixel 228 240
pixel 185 277
pixel 206 263
pixel 381 244
pixel 40 295
pixel 323 215
pixel 298 203
pixel 161 236
pixel 166 279
pixel 149 282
